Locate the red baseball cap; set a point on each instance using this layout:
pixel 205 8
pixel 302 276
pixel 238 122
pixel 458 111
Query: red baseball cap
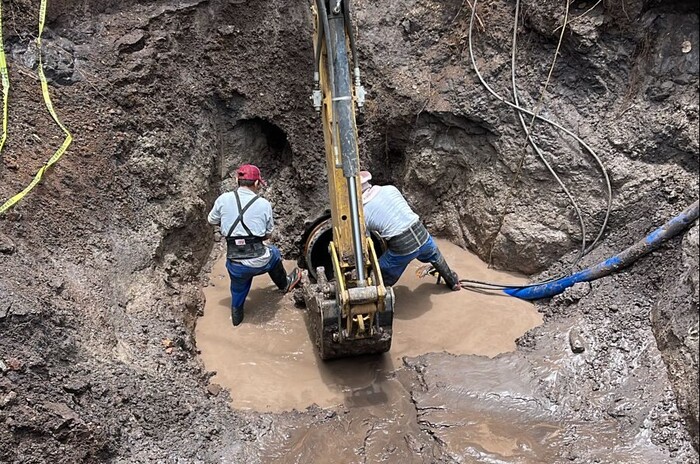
pixel 250 172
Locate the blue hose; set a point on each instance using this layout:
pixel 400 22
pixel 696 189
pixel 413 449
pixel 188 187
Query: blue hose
pixel 650 243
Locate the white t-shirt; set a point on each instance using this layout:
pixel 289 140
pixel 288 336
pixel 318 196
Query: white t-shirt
pixel 258 218
pixel 388 213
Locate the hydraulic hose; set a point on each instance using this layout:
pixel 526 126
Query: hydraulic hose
pixel 351 34
pixel 650 243
pixel 319 42
pixel 323 13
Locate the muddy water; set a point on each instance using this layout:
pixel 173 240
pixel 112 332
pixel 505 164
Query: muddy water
pixel 269 364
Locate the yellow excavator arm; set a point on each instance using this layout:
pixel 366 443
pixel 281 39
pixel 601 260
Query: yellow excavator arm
pixel 351 313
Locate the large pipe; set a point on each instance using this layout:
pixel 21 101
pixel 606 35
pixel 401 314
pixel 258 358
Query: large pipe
pixel 650 243
pixel 314 246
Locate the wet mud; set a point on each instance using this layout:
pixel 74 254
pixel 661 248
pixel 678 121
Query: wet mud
pixel 452 388
pixel 269 362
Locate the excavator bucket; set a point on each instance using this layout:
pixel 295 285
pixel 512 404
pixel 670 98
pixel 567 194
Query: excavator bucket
pixel 365 326
pixel 325 323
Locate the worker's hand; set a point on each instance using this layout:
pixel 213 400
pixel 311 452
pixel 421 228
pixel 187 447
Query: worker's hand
pixel 426 270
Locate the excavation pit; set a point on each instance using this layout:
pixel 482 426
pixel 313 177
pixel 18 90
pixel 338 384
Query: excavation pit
pixel 269 362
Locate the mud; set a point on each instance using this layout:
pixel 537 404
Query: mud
pixel 269 363
pixel 102 264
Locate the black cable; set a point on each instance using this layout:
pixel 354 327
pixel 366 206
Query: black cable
pixel 534 145
pixel 323 13
pixel 467 283
pixel 550 122
pixel 319 40
pixel 321 5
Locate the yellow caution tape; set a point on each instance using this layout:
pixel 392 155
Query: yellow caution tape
pixel 47 101
pixel 5 84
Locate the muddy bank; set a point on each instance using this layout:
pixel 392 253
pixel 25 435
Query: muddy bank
pixel 102 263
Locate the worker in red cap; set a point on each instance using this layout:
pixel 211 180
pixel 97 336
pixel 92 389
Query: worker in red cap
pixel 387 213
pixel 245 219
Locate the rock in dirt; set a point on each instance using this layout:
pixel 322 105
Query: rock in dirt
pixel 214 389
pixel 8 399
pixel 7 246
pixel 63 411
pixel 573 294
pixel 576 340
pixel 130 40
pixel 77 386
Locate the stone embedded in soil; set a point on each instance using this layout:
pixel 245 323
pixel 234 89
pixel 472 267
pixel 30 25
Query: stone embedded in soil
pixel 14 364
pixel 573 294
pixel 214 389
pixel 130 39
pixel 576 341
pixel 77 386
pixel 8 399
pixel 56 284
pixel 7 246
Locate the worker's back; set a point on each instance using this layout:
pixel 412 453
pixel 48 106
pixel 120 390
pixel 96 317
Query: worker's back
pixel 387 212
pixel 258 218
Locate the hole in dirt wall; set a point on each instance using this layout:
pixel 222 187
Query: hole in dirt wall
pixel 253 141
pixel 221 146
pixel 225 143
pixel 437 162
pixel 265 144
pixel 456 173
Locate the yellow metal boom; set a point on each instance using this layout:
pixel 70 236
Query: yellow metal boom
pixel 355 308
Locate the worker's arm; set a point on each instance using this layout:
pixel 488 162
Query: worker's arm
pixel 270 222
pixel 214 217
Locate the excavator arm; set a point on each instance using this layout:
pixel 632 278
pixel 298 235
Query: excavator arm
pixel 350 309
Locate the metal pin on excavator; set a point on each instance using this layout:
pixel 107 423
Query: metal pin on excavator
pixel 350 309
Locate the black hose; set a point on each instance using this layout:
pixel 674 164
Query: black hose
pixel 351 33
pixel 323 13
pixel 550 122
pixel 534 145
pixel 319 41
pixel 321 5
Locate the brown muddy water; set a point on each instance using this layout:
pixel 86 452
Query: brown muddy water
pixel 481 408
pixel 269 363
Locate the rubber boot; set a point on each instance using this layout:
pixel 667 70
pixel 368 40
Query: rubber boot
pixel 236 315
pixel 451 279
pixel 284 281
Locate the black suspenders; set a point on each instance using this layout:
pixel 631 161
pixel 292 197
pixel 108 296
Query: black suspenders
pixel 241 211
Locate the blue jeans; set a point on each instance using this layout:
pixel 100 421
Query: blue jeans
pixel 393 265
pixel 242 276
